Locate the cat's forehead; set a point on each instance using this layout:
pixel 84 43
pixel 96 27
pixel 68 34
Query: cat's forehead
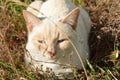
pixel 49 29
pixel 49 26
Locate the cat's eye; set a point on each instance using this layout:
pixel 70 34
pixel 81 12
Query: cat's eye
pixel 61 40
pixel 41 41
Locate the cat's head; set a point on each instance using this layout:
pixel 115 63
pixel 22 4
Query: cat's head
pixel 50 37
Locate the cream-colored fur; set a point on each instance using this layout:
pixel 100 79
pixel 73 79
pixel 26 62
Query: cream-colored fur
pixel 49 38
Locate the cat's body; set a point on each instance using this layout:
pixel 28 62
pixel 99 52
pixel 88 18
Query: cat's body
pixel 49 39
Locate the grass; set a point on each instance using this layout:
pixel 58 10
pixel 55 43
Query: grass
pixel 104 42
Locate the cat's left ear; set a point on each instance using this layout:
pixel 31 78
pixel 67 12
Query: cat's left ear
pixel 72 18
pixel 31 20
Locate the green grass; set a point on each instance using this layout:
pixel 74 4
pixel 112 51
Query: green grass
pixel 104 42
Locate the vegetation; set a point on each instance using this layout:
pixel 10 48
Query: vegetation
pixel 104 41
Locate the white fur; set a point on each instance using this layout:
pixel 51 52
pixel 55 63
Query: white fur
pixel 55 10
pixel 35 6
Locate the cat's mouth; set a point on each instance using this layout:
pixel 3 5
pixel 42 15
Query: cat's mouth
pixel 49 57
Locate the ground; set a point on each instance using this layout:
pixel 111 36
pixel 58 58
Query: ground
pixel 104 41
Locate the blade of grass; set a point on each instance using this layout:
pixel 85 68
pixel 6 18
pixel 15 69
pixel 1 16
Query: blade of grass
pixel 90 66
pixel 112 74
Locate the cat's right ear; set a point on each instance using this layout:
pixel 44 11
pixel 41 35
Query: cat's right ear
pixel 72 18
pixel 31 20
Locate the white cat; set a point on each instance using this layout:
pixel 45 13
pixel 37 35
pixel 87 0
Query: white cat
pixel 56 36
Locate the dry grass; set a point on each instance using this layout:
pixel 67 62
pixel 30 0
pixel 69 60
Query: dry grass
pixel 104 42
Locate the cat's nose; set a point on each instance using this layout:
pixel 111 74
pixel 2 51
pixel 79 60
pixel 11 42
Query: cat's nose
pixel 51 53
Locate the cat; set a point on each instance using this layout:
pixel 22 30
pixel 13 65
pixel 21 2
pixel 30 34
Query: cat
pixel 57 36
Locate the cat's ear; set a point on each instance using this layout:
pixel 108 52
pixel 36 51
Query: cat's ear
pixel 31 20
pixel 72 18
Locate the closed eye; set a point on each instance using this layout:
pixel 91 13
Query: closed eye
pixel 61 40
pixel 41 41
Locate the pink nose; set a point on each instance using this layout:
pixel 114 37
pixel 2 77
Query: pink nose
pixel 51 53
